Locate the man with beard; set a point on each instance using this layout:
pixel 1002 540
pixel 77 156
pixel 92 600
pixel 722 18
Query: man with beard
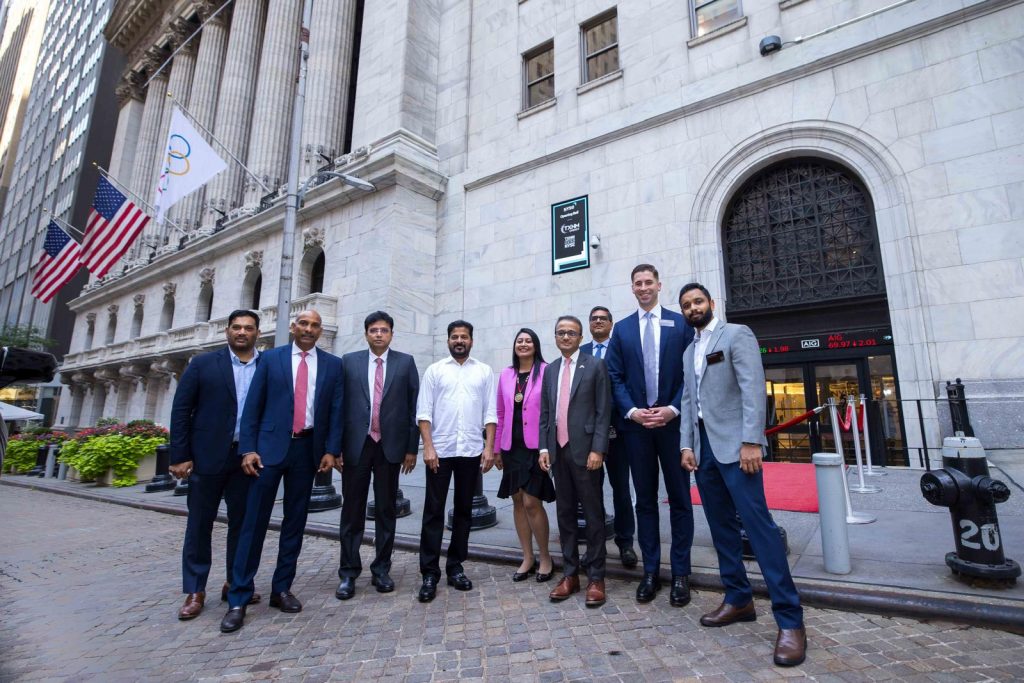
pixel 457 418
pixel 290 430
pixel 722 440
pixel 205 419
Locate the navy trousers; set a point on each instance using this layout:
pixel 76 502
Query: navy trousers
pixel 617 465
pixel 725 490
pixel 647 449
pixel 204 495
pixel 297 470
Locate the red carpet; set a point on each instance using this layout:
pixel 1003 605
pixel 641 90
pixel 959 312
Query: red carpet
pixel 787 486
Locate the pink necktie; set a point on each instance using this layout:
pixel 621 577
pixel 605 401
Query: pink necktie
pixel 378 391
pixel 301 387
pixel 562 418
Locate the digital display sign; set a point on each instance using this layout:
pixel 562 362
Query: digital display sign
pixel 570 236
pixel 829 341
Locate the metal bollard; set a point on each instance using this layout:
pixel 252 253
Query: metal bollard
pixel 835 538
pixel 963 485
pixel 324 496
pixel 162 479
pixel 484 514
pixel 51 461
pixel 958 415
pixel 403 506
pixel 40 467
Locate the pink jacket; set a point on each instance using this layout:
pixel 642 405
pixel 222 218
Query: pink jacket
pixel 531 408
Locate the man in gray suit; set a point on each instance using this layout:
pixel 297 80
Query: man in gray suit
pixel 722 439
pixel 575 413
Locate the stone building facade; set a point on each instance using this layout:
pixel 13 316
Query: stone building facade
pixel 855 196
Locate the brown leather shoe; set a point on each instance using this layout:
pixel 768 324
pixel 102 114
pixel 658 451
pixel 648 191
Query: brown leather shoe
pixel 256 597
pixel 791 646
pixel 192 607
pixel 729 614
pixel 566 587
pixel 595 593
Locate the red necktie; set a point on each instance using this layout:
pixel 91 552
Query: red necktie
pixel 378 391
pixel 562 417
pixel 301 387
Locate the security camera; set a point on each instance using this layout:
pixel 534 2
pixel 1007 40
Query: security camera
pixel 595 241
pixel 770 44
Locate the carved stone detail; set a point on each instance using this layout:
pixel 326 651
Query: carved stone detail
pixel 207 275
pixel 112 309
pixel 253 259
pixel 169 289
pixel 313 238
pixel 139 300
pixel 90 319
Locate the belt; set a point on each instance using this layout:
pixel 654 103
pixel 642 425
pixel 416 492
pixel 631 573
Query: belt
pixel 303 434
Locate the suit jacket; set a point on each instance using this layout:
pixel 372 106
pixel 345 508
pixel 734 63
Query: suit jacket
pixel 267 416
pixel 617 418
pixel 626 364
pixel 531 408
pixel 732 394
pixel 399 433
pixel 590 405
pixel 204 413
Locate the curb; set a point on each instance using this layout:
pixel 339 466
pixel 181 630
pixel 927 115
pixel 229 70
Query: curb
pixel 914 604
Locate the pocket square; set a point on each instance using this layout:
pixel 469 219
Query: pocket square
pixel 716 357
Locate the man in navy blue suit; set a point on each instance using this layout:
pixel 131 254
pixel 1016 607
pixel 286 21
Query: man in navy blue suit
pixel 205 418
pixel 645 363
pixel 616 463
pixel 291 429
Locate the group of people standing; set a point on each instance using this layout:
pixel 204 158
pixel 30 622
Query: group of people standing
pixel 662 392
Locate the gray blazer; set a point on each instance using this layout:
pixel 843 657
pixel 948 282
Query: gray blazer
pixel 590 409
pixel 732 393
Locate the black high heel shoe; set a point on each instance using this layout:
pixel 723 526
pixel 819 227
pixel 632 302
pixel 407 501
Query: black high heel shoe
pixel 541 578
pixel 523 576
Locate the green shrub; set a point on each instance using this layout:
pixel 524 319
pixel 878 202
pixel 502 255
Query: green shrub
pixel 115 447
pixel 21 454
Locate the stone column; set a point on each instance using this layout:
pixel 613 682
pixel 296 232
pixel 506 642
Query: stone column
pixel 279 64
pixel 235 105
pixel 130 100
pixel 332 34
pixel 202 101
pixel 152 113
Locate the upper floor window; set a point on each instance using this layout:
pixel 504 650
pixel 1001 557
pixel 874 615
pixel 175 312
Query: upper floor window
pixel 539 75
pixel 709 15
pixel 600 46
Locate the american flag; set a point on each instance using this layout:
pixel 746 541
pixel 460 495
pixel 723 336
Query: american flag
pixel 60 260
pixel 114 223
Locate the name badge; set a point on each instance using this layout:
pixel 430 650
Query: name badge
pixel 668 323
pixel 716 357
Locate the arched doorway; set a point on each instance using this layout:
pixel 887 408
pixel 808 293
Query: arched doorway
pixel 803 269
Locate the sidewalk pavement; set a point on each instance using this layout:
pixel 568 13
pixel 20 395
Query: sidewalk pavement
pixel 898 562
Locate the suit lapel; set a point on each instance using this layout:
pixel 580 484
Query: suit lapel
pixel 321 379
pixel 286 368
pixel 577 376
pixel 224 362
pixel 666 335
pixel 716 337
pixel 364 368
pixel 556 368
pixel 633 329
pixel 529 386
pixel 389 373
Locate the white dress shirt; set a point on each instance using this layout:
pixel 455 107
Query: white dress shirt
pixel 243 373
pixel 700 348
pixel 457 399
pixel 310 376
pixel 563 368
pixel 656 318
pixel 371 377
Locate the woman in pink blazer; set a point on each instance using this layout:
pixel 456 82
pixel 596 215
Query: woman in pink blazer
pixel 519 391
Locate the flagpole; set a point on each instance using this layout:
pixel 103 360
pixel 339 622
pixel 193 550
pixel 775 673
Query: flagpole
pixel 138 199
pixel 63 223
pixel 213 137
pixel 187 41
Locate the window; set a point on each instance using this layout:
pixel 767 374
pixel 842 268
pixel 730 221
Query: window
pixel 204 307
pixel 539 75
pixel 316 275
pixel 167 314
pixel 600 42
pixel 111 328
pixel 708 15
pixel 136 330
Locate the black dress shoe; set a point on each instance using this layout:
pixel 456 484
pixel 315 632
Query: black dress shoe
pixel 384 583
pixel 428 591
pixel 346 589
pixel 233 620
pixel 286 602
pixel 460 582
pixel 648 588
pixel 680 594
pixel 523 576
pixel 628 557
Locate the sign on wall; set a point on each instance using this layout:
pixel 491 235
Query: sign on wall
pixel 570 236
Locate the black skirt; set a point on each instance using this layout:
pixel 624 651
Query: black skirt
pixel 521 468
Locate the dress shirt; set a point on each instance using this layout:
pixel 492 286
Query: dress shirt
pixel 371 376
pixel 562 369
pixel 243 373
pixel 457 399
pixel 603 351
pixel 656 318
pixel 311 377
pixel 700 347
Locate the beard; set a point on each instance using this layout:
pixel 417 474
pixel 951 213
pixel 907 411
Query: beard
pixel 459 351
pixel 702 320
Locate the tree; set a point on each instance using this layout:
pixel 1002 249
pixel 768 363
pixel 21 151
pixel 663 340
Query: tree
pixel 24 336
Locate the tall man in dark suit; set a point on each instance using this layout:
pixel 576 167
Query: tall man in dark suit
pixel 646 370
pixel 617 463
pixel 722 440
pixel 381 437
pixel 290 430
pixel 574 417
pixel 205 419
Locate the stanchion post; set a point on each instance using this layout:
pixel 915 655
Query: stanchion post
pixel 871 471
pixel 835 539
pixel 851 516
pixel 861 487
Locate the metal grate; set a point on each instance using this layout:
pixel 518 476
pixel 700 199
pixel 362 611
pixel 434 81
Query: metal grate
pixel 801 232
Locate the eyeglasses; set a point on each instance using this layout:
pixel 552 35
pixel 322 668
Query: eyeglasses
pixel 599 318
pixel 571 334
pixel 379 330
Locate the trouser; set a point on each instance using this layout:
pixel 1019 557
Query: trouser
pixel 355 487
pixel 576 484
pixel 617 466
pixel 465 471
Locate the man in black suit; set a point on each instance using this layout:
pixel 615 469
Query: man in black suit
pixel 204 447
pixel 576 406
pixel 381 437
pixel 617 462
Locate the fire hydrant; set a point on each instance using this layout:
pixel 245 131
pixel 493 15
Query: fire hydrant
pixel 964 486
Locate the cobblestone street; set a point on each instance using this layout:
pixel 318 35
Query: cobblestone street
pixel 90 592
